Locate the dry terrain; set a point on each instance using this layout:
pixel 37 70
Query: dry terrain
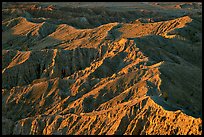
pixel 102 68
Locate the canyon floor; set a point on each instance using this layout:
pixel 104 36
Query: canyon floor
pixel 102 68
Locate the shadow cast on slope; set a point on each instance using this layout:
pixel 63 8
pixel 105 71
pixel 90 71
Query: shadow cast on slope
pixel 37 66
pixel 181 78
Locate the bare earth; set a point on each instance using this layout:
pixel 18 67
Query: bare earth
pixel 102 68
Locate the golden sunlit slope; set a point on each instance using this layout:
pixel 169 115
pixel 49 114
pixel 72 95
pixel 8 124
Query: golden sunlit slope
pixel 117 78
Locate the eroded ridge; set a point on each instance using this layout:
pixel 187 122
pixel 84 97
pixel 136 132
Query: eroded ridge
pixel 137 78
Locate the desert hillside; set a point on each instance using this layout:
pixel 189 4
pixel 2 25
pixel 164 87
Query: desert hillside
pixel 81 68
